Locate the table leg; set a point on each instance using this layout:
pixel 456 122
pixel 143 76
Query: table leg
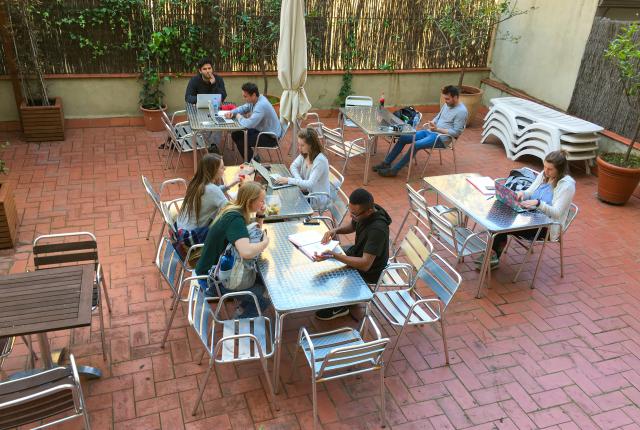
pixel 246 144
pixel 278 351
pixel 413 146
pixel 367 160
pixel 194 145
pixel 486 267
pixel 45 351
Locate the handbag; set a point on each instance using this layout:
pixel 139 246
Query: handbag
pixel 243 272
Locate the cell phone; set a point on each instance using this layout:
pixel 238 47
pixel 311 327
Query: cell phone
pixel 308 221
pixel 267 166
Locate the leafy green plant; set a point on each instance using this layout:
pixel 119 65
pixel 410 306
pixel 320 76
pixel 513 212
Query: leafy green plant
pixel 349 55
pixel 464 25
pixel 624 53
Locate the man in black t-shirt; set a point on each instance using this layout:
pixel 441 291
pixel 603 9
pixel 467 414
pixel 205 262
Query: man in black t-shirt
pixel 370 253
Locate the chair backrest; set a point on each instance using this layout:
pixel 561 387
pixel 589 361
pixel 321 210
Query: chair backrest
pixel 573 213
pixel 169 262
pixel 415 248
pixel 441 278
pixel 358 101
pixel 155 197
pixel 417 201
pixel 339 207
pixel 42 395
pixel 342 358
pixel 171 130
pixel 442 228
pixel 335 180
pixel 65 249
pixel 200 315
pixel 165 117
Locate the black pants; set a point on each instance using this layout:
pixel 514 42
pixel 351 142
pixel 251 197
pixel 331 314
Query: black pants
pixel 265 140
pixel 500 241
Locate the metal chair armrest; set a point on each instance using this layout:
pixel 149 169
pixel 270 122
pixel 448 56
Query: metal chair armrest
pixel 396 266
pixel 304 333
pixel 449 267
pixel 312 114
pixel 172 181
pixel 265 133
pixel 176 113
pixel 235 294
pixel 191 250
pixel 477 234
pixel 421 301
pixel 326 219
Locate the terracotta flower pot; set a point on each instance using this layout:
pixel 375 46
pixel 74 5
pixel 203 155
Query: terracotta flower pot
pixel 153 118
pixel 472 98
pixel 616 184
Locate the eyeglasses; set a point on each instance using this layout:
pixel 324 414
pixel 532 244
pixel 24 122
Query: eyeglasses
pixel 357 215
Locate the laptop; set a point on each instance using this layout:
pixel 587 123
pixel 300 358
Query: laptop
pixel 508 197
pixel 204 99
pixel 269 178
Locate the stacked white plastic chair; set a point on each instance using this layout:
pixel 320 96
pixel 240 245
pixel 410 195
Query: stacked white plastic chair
pixel 527 128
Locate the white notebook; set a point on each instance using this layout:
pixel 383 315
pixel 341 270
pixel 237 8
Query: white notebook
pixel 484 184
pixel 309 242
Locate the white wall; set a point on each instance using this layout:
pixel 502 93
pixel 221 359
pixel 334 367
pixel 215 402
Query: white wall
pixel 545 61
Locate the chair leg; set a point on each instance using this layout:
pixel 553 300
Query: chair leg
pixel 425 163
pixel 201 357
pixel 102 334
pixel 455 169
pixel 85 416
pixel 175 169
pixel 176 301
pixel 272 393
pixel 524 260
pixel 561 258
pixel 440 155
pixel 315 400
pixel 105 289
pixel 400 229
pixel 293 364
pixel 395 346
pixel 153 217
pixel 204 385
pixel 383 411
pixel 32 355
pixel 444 341
pixel 161 233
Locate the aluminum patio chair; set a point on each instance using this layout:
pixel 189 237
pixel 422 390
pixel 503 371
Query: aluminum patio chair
pixel 158 203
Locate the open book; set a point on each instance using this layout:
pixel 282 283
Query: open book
pixel 309 242
pixel 484 184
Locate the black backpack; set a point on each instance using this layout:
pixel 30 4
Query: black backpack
pixel 519 179
pixel 407 114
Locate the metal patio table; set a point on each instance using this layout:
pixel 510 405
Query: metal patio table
pixel 297 284
pixel 293 202
pixel 376 122
pixel 486 211
pixel 200 120
pixel 47 300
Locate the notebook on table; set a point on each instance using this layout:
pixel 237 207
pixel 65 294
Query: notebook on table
pixel 310 243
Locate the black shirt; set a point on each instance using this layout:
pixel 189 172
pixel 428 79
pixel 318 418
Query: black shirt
pixel 372 237
pixel 197 85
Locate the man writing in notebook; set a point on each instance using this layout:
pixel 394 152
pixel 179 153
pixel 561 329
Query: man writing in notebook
pixel 370 253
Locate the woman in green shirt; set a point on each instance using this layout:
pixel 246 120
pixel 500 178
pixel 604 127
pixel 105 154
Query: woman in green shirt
pixel 230 226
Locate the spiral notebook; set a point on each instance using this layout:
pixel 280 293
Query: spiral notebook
pixel 310 243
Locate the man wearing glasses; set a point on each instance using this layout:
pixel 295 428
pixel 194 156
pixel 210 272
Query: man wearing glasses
pixel 370 253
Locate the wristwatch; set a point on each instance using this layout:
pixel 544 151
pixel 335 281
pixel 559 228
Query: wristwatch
pixel 538 204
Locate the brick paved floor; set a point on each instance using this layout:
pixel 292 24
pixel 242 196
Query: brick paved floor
pixel 564 355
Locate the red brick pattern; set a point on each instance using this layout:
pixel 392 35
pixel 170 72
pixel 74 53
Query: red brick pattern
pixel 563 355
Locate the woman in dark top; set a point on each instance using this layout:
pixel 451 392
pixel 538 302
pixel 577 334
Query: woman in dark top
pixel 205 82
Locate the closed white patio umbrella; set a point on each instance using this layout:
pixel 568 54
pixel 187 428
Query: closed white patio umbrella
pixel 292 64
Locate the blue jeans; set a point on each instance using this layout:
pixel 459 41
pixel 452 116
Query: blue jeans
pixel 424 139
pixel 247 303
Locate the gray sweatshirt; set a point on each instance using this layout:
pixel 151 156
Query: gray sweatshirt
pixel 263 116
pixel 452 119
pixel 211 201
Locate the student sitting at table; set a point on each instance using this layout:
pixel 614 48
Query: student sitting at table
pixel 310 169
pixel 206 82
pixel 551 193
pixel 370 254
pixel 231 226
pixel 203 199
pixel 451 120
pixel 257 115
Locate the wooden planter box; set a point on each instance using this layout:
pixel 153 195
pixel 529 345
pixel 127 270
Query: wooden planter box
pixel 8 216
pixel 42 123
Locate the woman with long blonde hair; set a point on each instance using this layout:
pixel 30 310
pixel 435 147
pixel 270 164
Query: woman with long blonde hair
pixel 230 226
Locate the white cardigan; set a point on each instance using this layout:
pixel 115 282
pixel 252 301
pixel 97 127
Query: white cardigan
pixel 558 210
pixel 314 179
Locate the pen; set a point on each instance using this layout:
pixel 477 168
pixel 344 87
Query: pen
pixel 490 197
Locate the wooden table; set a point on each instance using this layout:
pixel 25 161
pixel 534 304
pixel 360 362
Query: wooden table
pixel 46 300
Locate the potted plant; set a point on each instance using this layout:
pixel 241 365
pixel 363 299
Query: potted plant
pixel 618 173
pixel 8 211
pixel 41 116
pixel 255 41
pixel 464 25
pixel 153 54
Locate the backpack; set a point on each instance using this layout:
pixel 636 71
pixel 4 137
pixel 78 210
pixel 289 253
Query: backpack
pixel 408 114
pixel 241 274
pixel 519 179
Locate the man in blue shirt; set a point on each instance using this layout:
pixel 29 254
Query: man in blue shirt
pixel 257 115
pixel 451 120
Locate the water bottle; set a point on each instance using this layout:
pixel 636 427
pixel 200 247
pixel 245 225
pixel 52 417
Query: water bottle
pixel 216 107
pixel 226 261
pixel 212 112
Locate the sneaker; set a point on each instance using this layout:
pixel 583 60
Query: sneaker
pixel 389 173
pixel 257 158
pixel 331 313
pixel 494 262
pixel 381 166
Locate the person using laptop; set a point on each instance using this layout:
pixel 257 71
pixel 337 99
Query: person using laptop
pixel 451 120
pixel 257 115
pixel 206 82
pixel 551 193
pixel 370 253
pixel 310 169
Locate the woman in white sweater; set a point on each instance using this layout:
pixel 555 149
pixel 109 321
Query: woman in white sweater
pixel 551 193
pixel 310 169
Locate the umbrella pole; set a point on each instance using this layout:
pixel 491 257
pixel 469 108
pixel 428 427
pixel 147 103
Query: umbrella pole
pixel 293 149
